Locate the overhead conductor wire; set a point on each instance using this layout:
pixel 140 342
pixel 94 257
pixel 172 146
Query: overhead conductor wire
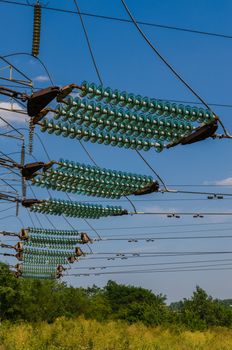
pixel 125 20
pixel 171 67
pixel 101 81
pixel 65 219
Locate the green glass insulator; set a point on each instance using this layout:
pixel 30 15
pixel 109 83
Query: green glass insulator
pixel 180 109
pixel 127 99
pixel 167 107
pixel 84 88
pixel 86 135
pixel 114 141
pixel 79 134
pixel 99 95
pixel 61 111
pixel 158 147
pixel 70 114
pixel 201 115
pixel 126 142
pixel 145 102
pixel 78 103
pixel 108 93
pixel 64 127
pixel 58 131
pixel 130 100
pixel 137 102
pixel 92 90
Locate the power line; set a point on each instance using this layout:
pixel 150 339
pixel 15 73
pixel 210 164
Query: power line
pixel 88 42
pixel 92 228
pixel 152 169
pixel 160 253
pixel 197 268
pixel 32 221
pixel 37 58
pixel 3 58
pixel 225 105
pixel 15 217
pixel 131 239
pixel 6 209
pixel 173 70
pixel 195 185
pixel 141 255
pixel 101 81
pixel 173 232
pixel 197 192
pixel 75 12
pixel 194 214
pixel 36 216
pixel 178 76
pixel 46 152
pixel 151 200
pixel 88 154
pixel 151 264
pixel 13 128
pixel 66 220
pixel 159 226
pixel 124 20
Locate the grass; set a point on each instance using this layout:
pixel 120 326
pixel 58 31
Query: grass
pixel 81 334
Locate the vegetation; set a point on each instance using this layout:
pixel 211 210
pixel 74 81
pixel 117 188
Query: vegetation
pixel 41 314
pixel 82 334
pixel 45 300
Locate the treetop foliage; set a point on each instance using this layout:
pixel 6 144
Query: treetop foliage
pixel 44 300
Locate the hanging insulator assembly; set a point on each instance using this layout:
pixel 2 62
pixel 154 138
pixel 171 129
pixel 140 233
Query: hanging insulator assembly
pixel 36 29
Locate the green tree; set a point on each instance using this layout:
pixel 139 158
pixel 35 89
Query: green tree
pixel 202 311
pixel 9 294
pixel 135 304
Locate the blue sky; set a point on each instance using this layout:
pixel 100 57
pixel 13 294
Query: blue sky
pixel 127 63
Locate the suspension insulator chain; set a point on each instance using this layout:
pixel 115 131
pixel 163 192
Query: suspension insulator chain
pixel 31 136
pixel 36 30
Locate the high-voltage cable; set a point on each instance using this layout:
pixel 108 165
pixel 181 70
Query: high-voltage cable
pixel 125 20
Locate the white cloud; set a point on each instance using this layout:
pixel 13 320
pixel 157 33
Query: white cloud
pixel 74 94
pixel 224 182
pixel 158 209
pixel 41 78
pixel 11 116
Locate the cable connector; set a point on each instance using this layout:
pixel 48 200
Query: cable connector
pixel 79 252
pixel 30 170
pixel 123 212
pixel 199 134
pixel 27 203
pixel 24 234
pixel 85 238
pixel 65 91
pixel 72 259
pixel 40 99
pixel 154 187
